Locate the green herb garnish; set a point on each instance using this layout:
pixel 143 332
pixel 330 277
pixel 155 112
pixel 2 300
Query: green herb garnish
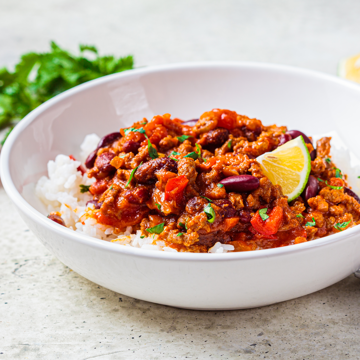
pixel 262 212
pixel 210 213
pixel 192 155
pixel 328 160
pixel 142 236
pixel 174 159
pixel 180 234
pixel 333 187
pixel 220 185
pixel 157 229
pixel 341 226
pixel 158 206
pixel 283 131
pixel 40 76
pixel 182 138
pixel 122 156
pixel 300 216
pixel 198 150
pixel 152 151
pixel 143 123
pixel 84 188
pixel 181 224
pixel 229 144
pixel 313 223
pixel 110 188
pixel 132 175
pixel 204 197
pixel 129 130
pixel 187 219
pixel 174 153
pixel 320 180
pixel 338 173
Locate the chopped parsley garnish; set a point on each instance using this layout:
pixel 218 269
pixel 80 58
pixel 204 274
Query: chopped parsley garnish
pixel 220 185
pixel 320 180
pixel 157 229
pixel 334 187
pixel 210 213
pixel 229 144
pixel 284 131
pixel 84 188
pixel 175 153
pixel 143 123
pixel 328 160
pixel 122 156
pixel 341 226
pixel 209 200
pixel 110 188
pixel 142 236
pixel 198 150
pixel 132 175
pixel 262 212
pixel 180 234
pixel 174 159
pixel 182 138
pixel 300 216
pixel 187 219
pixel 152 151
pixel 313 223
pixel 158 206
pixel 338 173
pixel 192 155
pixel 129 130
pixel 181 224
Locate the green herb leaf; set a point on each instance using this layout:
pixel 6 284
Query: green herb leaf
pixel 341 226
pixel 333 187
pixel 110 188
pixel 300 216
pixel 262 212
pixel 174 153
pixel 174 159
pixel 204 197
pixel 132 175
pixel 158 206
pixel 229 144
pixel 142 236
pixel 192 155
pixel 187 219
pixel 320 180
pixel 313 223
pixel 157 229
pixel 152 151
pixel 180 234
pixel 338 173
pixel 328 160
pixel 129 130
pixel 198 150
pixel 84 188
pixel 210 213
pixel 182 138
pixel 181 224
pixel 143 123
pixel 122 156
pixel 40 76
pixel 220 185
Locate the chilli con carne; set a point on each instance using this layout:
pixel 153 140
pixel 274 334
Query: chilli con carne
pixel 194 183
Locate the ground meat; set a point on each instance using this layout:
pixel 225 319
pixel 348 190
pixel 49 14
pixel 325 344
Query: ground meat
pixel 323 147
pixel 214 138
pixel 187 167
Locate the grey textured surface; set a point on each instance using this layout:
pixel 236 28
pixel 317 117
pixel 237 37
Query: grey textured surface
pixel 49 312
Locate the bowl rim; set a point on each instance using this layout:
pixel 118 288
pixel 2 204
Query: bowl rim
pixel 83 239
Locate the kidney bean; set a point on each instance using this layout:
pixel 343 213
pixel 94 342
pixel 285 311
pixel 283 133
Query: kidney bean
pixel 245 216
pixel 227 208
pixel 215 138
pixel 103 164
pixel 57 218
pixel 191 122
pixel 312 188
pixel 352 194
pixel 313 155
pixel 108 139
pixel 284 138
pixel 241 183
pixel 96 204
pixel 131 146
pixel 146 172
pixel 138 195
pixel 296 133
pixel 90 160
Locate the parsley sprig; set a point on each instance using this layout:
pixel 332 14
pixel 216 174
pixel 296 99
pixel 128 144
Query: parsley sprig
pixel 157 229
pixel 210 213
pixel 342 226
pixel 40 76
pixel 84 188
pixel 132 175
pixel 262 212
pixel 313 223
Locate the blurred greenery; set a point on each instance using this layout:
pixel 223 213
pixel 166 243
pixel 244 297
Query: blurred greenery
pixel 40 76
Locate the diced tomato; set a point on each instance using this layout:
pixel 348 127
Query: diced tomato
pixel 174 188
pixel 271 225
pixel 79 168
pixel 227 118
pixel 98 187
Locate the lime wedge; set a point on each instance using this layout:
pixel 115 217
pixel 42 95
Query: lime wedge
pixel 350 68
pixel 289 166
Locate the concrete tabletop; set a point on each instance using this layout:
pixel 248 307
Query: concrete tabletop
pixel 47 311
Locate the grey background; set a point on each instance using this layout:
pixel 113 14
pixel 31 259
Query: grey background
pixel 49 312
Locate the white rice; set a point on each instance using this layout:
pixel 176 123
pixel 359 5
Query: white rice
pixel 60 192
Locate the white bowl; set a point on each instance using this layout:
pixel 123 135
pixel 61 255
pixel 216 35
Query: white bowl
pixel 300 99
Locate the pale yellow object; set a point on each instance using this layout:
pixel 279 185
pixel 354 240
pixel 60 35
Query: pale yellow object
pixel 289 166
pixel 350 68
